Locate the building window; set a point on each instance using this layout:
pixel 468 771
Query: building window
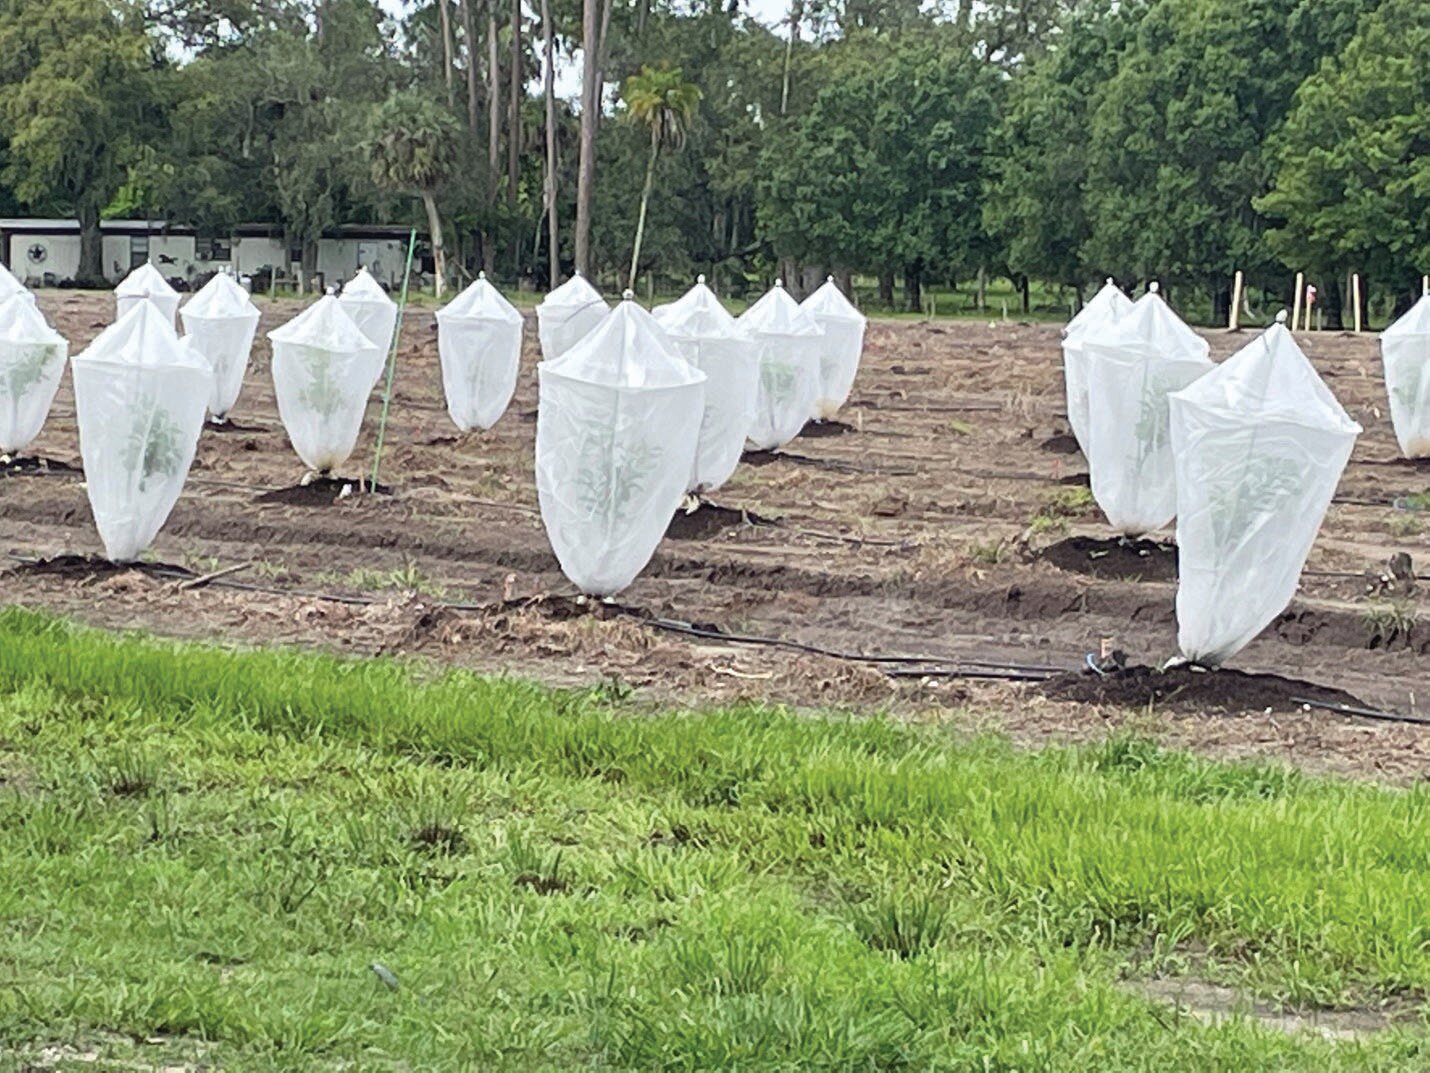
pixel 219 249
pixel 138 250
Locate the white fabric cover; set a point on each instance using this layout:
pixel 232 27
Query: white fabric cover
pixel 1260 444
pixel 615 443
pixel 10 286
pixel 1132 365
pixel 707 336
pixel 1104 308
pixel 139 396
pixel 479 342
pixel 789 344
pixel 375 314
pixel 1405 353
pixel 32 360
pixel 146 282
pixel 220 322
pixel 323 370
pixel 567 315
pixel 843 345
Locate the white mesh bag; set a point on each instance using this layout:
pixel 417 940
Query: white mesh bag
pixel 375 314
pixel 220 322
pixel 615 443
pixel 1405 353
pixel 32 360
pixel 10 286
pixel 323 370
pixel 707 336
pixel 788 343
pixel 146 283
pixel 140 396
pixel 479 342
pixel 567 315
pixel 843 345
pixel 1260 443
pixel 1132 366
pixel 1103 308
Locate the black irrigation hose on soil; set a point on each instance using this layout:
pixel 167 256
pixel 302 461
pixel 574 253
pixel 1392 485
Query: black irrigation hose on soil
pixel 891 666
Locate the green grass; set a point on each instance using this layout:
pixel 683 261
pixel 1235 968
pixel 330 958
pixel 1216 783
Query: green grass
pixel 270 861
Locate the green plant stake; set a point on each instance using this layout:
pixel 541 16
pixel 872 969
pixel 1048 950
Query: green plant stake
pixel 392 361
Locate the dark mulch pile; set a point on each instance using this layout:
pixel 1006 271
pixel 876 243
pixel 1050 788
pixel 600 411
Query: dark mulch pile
pixel 1063 444
pixel 87 567
pixel 1186 689
pixel 228 424
pixel 1114 557
pixel 322 492
pixel 30 466
pixel 711 520
pixel 814 430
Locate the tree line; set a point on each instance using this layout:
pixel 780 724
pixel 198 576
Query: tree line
pixel 1053 142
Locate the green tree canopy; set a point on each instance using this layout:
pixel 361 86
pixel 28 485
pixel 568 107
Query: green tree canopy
pixel 1352 181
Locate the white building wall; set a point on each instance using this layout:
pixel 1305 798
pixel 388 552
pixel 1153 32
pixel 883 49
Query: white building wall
pixel 61 260
pixel 115 257
pixel 256 253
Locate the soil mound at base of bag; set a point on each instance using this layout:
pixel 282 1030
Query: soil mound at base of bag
pixel 90 567
pixel 815 430
pixel 1062 444
pixel 33 466
pixel 1114 557
pixel 322 492
pixel 1191 690
pixel 711 520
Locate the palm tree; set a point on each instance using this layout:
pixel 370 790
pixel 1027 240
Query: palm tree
pixel 660 99
pixel 412 144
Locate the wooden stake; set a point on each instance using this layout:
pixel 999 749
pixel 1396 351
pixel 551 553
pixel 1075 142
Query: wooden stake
pixel 392 362
pixel 1355 299
pixel 1309 306
pixel 1296 297
pixel 1233 321
pixel 1425 285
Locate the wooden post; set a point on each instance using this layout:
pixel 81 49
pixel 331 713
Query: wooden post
pixel 1233 321
pixel 1355 299
pixel 1425 285
pixel 1296 297
pixel 1309 305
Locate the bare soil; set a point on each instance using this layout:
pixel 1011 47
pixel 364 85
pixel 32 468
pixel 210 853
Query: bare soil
pixel 936 519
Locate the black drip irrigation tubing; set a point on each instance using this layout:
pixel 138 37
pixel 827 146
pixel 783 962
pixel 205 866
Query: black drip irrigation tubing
pixel 891 666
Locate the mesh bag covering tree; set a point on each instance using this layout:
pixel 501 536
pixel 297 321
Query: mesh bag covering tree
pixel 1104 308
pixel 1405 353
pixel 220 322
pixel 708 337
pixel 788 343
pixel 140 396
pixel 375 314
pixel 567 315
pixel 615 443
pixel 1132 365
pixel 9 285
pixel 32 360
pixel 146 283
pixel 324 367
pixel 1260 443
pixel 479 342
pixel 843 327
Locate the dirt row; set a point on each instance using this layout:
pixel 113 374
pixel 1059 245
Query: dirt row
pixel 945 517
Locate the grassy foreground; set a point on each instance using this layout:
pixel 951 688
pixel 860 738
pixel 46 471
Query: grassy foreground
pixel 263 860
